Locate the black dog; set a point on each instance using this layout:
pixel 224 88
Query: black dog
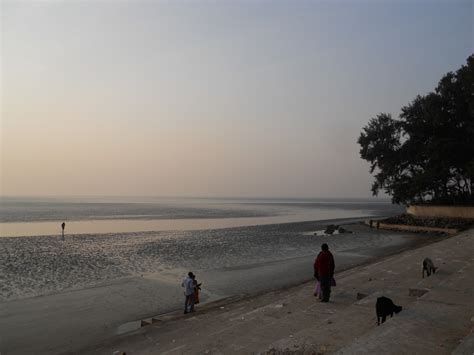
pixel 428 266
pixel 384 307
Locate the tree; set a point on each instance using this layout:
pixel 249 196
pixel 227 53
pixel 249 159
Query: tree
pixel 427 155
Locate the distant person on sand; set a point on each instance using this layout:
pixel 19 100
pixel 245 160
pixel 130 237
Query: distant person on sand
pixel 188 284
pixel 324 271
pixel 63 225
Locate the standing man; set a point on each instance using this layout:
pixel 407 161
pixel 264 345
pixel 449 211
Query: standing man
pixel 324 271
pixel 63 225
pixel 188 284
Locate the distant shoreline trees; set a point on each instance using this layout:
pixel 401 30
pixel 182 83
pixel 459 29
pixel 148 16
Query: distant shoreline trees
pixel 427 155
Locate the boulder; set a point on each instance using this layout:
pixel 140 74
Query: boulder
pixel 342 230
pixel 330 229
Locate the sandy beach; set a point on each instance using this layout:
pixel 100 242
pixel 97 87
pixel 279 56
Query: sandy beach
pixel 34 266
pixel 92 284
pixel 145 140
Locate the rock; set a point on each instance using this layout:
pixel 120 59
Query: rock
pixel 361 295
pixel 342 230
pixel 330 229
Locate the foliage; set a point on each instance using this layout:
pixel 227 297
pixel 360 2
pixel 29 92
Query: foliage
pixel 427 155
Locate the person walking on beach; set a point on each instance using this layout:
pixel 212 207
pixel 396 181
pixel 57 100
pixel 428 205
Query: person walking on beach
pixel 324 271
pixel 188 284
pixel 63 225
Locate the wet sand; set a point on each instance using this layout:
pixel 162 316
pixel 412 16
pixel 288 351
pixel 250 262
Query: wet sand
pixel 33 266
pixel 121 226
pixel 88 286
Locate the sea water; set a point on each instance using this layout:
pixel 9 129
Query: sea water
pixel 235 246
pixel 98 215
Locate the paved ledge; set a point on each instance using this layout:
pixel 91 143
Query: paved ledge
pixel 408 228
pixel 441 211
pixel 403 227
pixel 440 321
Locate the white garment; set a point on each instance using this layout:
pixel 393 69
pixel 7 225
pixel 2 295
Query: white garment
pixel 188 285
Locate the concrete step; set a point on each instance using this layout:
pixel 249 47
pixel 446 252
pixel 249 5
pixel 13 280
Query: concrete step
pixel 420 314
pixel 434 323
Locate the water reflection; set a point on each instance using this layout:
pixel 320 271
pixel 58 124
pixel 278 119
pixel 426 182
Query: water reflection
pixel 12 229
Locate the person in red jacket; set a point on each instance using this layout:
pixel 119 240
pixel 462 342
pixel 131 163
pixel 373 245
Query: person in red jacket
pixel 324 271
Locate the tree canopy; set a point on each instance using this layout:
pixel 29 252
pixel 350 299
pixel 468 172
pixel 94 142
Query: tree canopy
pixel 427 154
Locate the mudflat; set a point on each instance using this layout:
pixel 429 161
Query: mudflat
pixel 59 297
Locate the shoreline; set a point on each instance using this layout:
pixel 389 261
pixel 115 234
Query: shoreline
pixel 97 311
pixel 436 239
pixel 41 260
pixel 212 304
pixel 134 226
pixel 289 320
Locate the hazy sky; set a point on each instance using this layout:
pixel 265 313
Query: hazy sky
pixel 217 98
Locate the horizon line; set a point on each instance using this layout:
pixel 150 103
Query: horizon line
pixel 246 197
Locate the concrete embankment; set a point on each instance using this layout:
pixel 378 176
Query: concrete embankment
pixel 437 316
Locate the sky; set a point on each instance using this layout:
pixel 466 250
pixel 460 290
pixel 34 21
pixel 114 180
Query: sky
pixel 211 98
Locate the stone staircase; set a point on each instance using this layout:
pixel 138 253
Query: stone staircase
pixel 434 318
pixel 436 321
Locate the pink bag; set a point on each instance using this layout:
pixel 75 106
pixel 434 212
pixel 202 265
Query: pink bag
pixel 317 289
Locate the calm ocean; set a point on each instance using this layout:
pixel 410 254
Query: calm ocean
pixel 43 216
